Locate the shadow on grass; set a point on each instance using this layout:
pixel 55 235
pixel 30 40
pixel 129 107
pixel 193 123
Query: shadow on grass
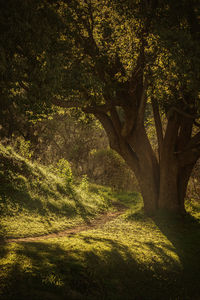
pixel 91 268
pixel 184 234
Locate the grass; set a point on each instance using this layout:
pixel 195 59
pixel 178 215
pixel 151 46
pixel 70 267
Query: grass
pixel 132 257
pixel 36 201
pixel 123 259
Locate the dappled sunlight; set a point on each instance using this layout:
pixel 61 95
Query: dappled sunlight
pixel 99 150
pixel 119 258
pixel 87 263
pixel 147 244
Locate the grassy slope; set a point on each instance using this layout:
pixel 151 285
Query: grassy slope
pixel 131 257
pixel 34 201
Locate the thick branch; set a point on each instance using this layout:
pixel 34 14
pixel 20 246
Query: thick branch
pixel 171 136
pixel 129 121
pixel 117 143
pixel 185 132
pixel 129 156
pixel 191 152
pixel 183 113
pixel 158 123
pixel 110 130
pixel 142 105
pixel 193 143
pixel 189 157
pixel 115 119
pixel 134 112
pixel 87 109
pixel 66 104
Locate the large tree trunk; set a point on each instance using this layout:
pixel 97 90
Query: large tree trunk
pixel 175 173
pixel 173 185
pixel 169 168
pixel 145 167
pixel 148 179
pixel 149 191
pixel 168 195
pixel 163 180
pixel 148 171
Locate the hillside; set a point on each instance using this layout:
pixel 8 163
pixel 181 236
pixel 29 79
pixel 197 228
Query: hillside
pixel 36 200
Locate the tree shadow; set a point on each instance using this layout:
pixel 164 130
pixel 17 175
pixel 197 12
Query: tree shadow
pixel 184 234
pixel 91 268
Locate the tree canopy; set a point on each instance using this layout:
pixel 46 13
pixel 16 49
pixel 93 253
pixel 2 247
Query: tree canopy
pixel 121 61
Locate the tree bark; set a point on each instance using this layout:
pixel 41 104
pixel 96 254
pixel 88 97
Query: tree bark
pixel 183 179
pixel 163 183
pixel 147 170
pixel 168 194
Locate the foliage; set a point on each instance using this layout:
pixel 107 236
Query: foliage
pixel 112 59
pixel 84 183
pixel 23 147
pixel 84 144
pixel 63 169
pixel 34 201
pixel 193 199
pixel 28 35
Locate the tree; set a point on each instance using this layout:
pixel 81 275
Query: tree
pixel 120 58
pixel 122 61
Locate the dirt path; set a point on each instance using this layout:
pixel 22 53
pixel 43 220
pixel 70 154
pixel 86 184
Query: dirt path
pixel 101 220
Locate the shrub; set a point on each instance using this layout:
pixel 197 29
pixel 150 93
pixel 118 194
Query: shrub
pixel 84 183
pixel 63 169
pixel 23 147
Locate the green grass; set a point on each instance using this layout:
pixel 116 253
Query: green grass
pixel 132 257
pixel 123 259
pixel 36 201
pixel 193 208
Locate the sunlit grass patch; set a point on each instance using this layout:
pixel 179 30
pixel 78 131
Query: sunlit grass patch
pixel 193 208
pixel 122 259
pixel 35 200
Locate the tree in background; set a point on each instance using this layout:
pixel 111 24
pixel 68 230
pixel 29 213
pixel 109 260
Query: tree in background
pixel 114 60
pixel 83 142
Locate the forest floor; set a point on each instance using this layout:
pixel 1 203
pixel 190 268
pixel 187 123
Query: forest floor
pixel 120 255
pixel 87 242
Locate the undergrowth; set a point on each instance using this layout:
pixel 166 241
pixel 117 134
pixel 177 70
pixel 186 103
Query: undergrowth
pixel 36 200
